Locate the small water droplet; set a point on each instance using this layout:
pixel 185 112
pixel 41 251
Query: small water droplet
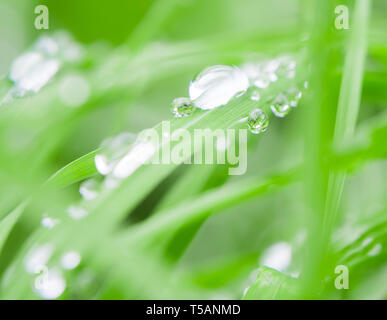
pixel 89 189
pixel 255 95
pixel 47 45
pixel 261 74
pixel 294 95
pixel 182 107
pixel 286 68
pixel 74 90
pixel 70 260
pixel 48 222
pixel 37 257
pixel 113 149
pixel 50 285
pixel 216 86
pixel 76 212
pixel 258 121
pixel 280 106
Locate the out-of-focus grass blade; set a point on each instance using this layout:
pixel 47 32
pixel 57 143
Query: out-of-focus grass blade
pixel 7 223
pixel 270 285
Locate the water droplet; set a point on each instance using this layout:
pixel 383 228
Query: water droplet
pixel 48 222
pixel 294 95
pixel 37 257
pixel 280 106
pixel 60 45
pixel 258 121
pixel 113 149
pixel 74 90
pixel 50 285
pixel 255 95
pixel 47 45
pixel 141 152
pixel 182 107
pixel 286 68
pixel 306 84
pixel 89 189
pixel 376 249
pixel 277 256
pixel 70 260
pixel 76 212
pixel 261 74
pixel 216 86
pixel 31 71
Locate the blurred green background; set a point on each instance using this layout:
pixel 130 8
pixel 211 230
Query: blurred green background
pixel 138 57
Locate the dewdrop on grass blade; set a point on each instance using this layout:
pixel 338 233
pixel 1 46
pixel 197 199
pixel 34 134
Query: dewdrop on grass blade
pixel 216 86
pixel 89 189
pixel 112 150
pixel 30 72
pixel 76 212
pixel 258 121
pixel 294 95
pixel 280 106
pixel 182 107
pixel 255 95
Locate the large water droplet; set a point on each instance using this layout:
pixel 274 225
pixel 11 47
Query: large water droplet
pixel 138 155
pixel 280 106
pixel 48 222
pixel 258 121
pixel 216 85
pixel 113 149
pixel 50 285
pixel 182 107
pixel 89 189
pixel 37 257
pixel 31 71
pixel 70 260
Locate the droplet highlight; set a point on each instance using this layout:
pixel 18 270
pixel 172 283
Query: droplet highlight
pixel 216 86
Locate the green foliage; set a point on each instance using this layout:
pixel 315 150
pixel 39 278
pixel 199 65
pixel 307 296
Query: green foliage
pixel 316 180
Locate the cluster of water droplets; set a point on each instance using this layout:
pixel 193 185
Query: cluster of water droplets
pixel 34 69
pixel 49 278
pixel 217 85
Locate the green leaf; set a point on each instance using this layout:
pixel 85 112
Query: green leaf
pixel 7 223
pixel 75 171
